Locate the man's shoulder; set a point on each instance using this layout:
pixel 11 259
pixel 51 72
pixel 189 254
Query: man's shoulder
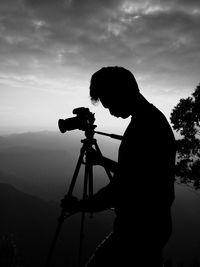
pixel 148 116
pixel 156 116
pixel 152 121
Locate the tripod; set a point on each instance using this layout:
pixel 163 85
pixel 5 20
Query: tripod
pixel 89 144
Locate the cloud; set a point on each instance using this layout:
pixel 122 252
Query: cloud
pixel 50 48
pixel 151 36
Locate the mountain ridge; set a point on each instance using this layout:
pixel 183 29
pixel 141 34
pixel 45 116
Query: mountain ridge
pixel 32 221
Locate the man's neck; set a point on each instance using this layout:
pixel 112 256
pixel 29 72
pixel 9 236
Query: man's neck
pixel 140 104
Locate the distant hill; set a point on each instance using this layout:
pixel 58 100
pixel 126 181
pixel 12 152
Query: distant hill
pixel 20 183
pixel 43 139
pixel 32 222
pixel 29 219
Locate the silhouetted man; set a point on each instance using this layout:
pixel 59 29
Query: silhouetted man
pixel 142 188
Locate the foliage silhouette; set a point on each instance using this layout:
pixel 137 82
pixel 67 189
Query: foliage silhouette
pixel 185 119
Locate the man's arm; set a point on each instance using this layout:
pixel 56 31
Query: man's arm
pixel 110 164
pixel 97 159
pixel 104 199
pixel 100 201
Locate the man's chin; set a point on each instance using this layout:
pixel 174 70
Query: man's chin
pixel 124 116
pixel 120 115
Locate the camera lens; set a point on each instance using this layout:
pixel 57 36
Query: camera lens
pixel 69 124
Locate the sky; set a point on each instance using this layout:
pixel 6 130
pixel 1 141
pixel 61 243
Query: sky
pixel 49 50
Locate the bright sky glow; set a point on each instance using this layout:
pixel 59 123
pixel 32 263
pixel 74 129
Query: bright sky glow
pixel 49 50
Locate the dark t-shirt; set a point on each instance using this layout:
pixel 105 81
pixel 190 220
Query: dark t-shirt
pixel 143 186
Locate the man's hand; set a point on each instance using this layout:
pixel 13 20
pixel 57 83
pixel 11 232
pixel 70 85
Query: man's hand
pixel 70 204
pixel 94 157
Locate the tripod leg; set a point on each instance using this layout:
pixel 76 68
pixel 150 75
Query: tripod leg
pixel 74 178
pixel 51 250
pixel 90 180
pixel 85 189
pixel 62 215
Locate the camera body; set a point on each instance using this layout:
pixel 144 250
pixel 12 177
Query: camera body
pixel 83 120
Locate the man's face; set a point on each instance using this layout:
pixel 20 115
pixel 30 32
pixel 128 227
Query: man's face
pixel 116 107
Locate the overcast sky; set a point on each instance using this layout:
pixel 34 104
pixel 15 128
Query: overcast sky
pixel 50 48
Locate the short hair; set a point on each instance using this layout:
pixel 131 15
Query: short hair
pixel 112 81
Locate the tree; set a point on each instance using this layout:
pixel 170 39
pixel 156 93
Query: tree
pixel 185 119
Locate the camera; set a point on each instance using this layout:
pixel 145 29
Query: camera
pixel 83 120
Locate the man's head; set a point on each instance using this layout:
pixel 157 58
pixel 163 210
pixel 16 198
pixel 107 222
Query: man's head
pixel 116 88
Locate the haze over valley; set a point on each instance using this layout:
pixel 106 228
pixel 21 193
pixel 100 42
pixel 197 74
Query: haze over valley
pixel 35 173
